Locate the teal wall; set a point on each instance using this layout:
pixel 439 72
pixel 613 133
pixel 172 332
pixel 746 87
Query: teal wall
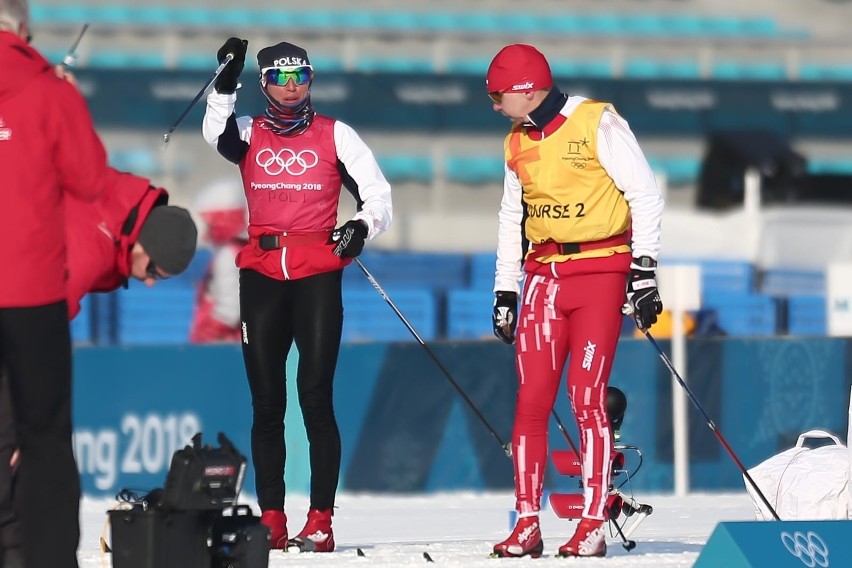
pixel 405 428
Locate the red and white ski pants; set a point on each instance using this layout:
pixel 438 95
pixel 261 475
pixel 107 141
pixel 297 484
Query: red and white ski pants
pixel 574 308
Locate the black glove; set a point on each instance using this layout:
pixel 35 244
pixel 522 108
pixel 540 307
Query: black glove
pixel 505 316
pixel 348 239
pixel 226 82
pixel 642 293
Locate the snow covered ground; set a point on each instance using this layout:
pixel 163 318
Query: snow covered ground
pixel 459 530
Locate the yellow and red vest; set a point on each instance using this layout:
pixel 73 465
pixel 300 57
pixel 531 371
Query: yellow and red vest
pixel 568 196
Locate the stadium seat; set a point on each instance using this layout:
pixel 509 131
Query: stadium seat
pixel 368 317
pixel 474 170
pixel 469 314
pixel 81 326
pixel 396 271
pixel 404 167
pixel 744 314
pixel 160 315
pixel 791 282
pixel 718 277
pixel 806 315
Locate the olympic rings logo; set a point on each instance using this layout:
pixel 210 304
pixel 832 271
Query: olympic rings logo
pixel 286 160
pixel 810 548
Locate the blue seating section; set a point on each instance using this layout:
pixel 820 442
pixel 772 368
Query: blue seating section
pixel 449 296
pixel 160 315
pixel 469 22
pixel 485 169
pixel 806 315
pixel 788 282
pixel 399 271
pixel 727 277
pixel 830 166
pixel 368 317
pixel 81 326
pixel 469 313
pixel 403 168
pixel 747 314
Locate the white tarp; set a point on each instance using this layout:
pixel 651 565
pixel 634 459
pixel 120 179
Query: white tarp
pixel 804 484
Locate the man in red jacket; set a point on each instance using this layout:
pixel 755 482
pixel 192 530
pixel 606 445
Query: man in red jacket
pixel 48 151
pixel 128 232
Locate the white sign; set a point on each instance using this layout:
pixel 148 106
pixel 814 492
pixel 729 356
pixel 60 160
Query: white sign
pixel 839 299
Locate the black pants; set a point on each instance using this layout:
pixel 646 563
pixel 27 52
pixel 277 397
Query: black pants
pixel 10 532
pixel 35 349
pixel 275 314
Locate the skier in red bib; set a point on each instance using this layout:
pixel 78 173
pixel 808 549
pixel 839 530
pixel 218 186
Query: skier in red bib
pixel 294 163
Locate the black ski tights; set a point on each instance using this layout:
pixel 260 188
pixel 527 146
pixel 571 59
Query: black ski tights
pixel 275 313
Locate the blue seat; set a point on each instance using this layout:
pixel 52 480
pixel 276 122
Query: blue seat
pixel 127 60
pixel 744 314
pixel 737 70
pixel 140 160
pixel 806 315
pixel 160 315
pixel 81 326
pixel 474 170
pixel 482 267
pixel 825 72
pixel 830 166
pixel 651 69
pixel 791 282
pixel 469 314
pixel 368 317
pixel 403 167
pixel 679 170
pixel 591 68
pixel 469 65
pixel 399 271
pixel 735 277
pixel 394 65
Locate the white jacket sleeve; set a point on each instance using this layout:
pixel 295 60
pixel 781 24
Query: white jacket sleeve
pixel 224 286
pixel 623 160
pixel 373 190
pixel 219 109
pixel 510 251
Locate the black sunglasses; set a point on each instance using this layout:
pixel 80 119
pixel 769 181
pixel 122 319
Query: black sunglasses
pixel 152 272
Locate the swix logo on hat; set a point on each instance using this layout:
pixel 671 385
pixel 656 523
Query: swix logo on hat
pixel 518 68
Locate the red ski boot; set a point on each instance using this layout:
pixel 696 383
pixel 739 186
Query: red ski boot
pixel 317 535
pixel 524 540
pixel 589 540
pixel 276 522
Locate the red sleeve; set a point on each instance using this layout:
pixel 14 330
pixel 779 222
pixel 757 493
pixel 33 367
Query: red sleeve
pixel 82 163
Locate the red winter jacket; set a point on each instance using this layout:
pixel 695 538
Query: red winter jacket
pixel 48 150
pixel 102 234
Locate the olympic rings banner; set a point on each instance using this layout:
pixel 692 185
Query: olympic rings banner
pixel 779 544
pixel 405 428
pixel 140 99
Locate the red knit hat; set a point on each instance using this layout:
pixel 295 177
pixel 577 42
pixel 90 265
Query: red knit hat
pixel 518 68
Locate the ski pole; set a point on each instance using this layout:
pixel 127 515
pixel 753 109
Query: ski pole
pixel 71 57
pixel 210 81
pixel 507 448
pixel 627 310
